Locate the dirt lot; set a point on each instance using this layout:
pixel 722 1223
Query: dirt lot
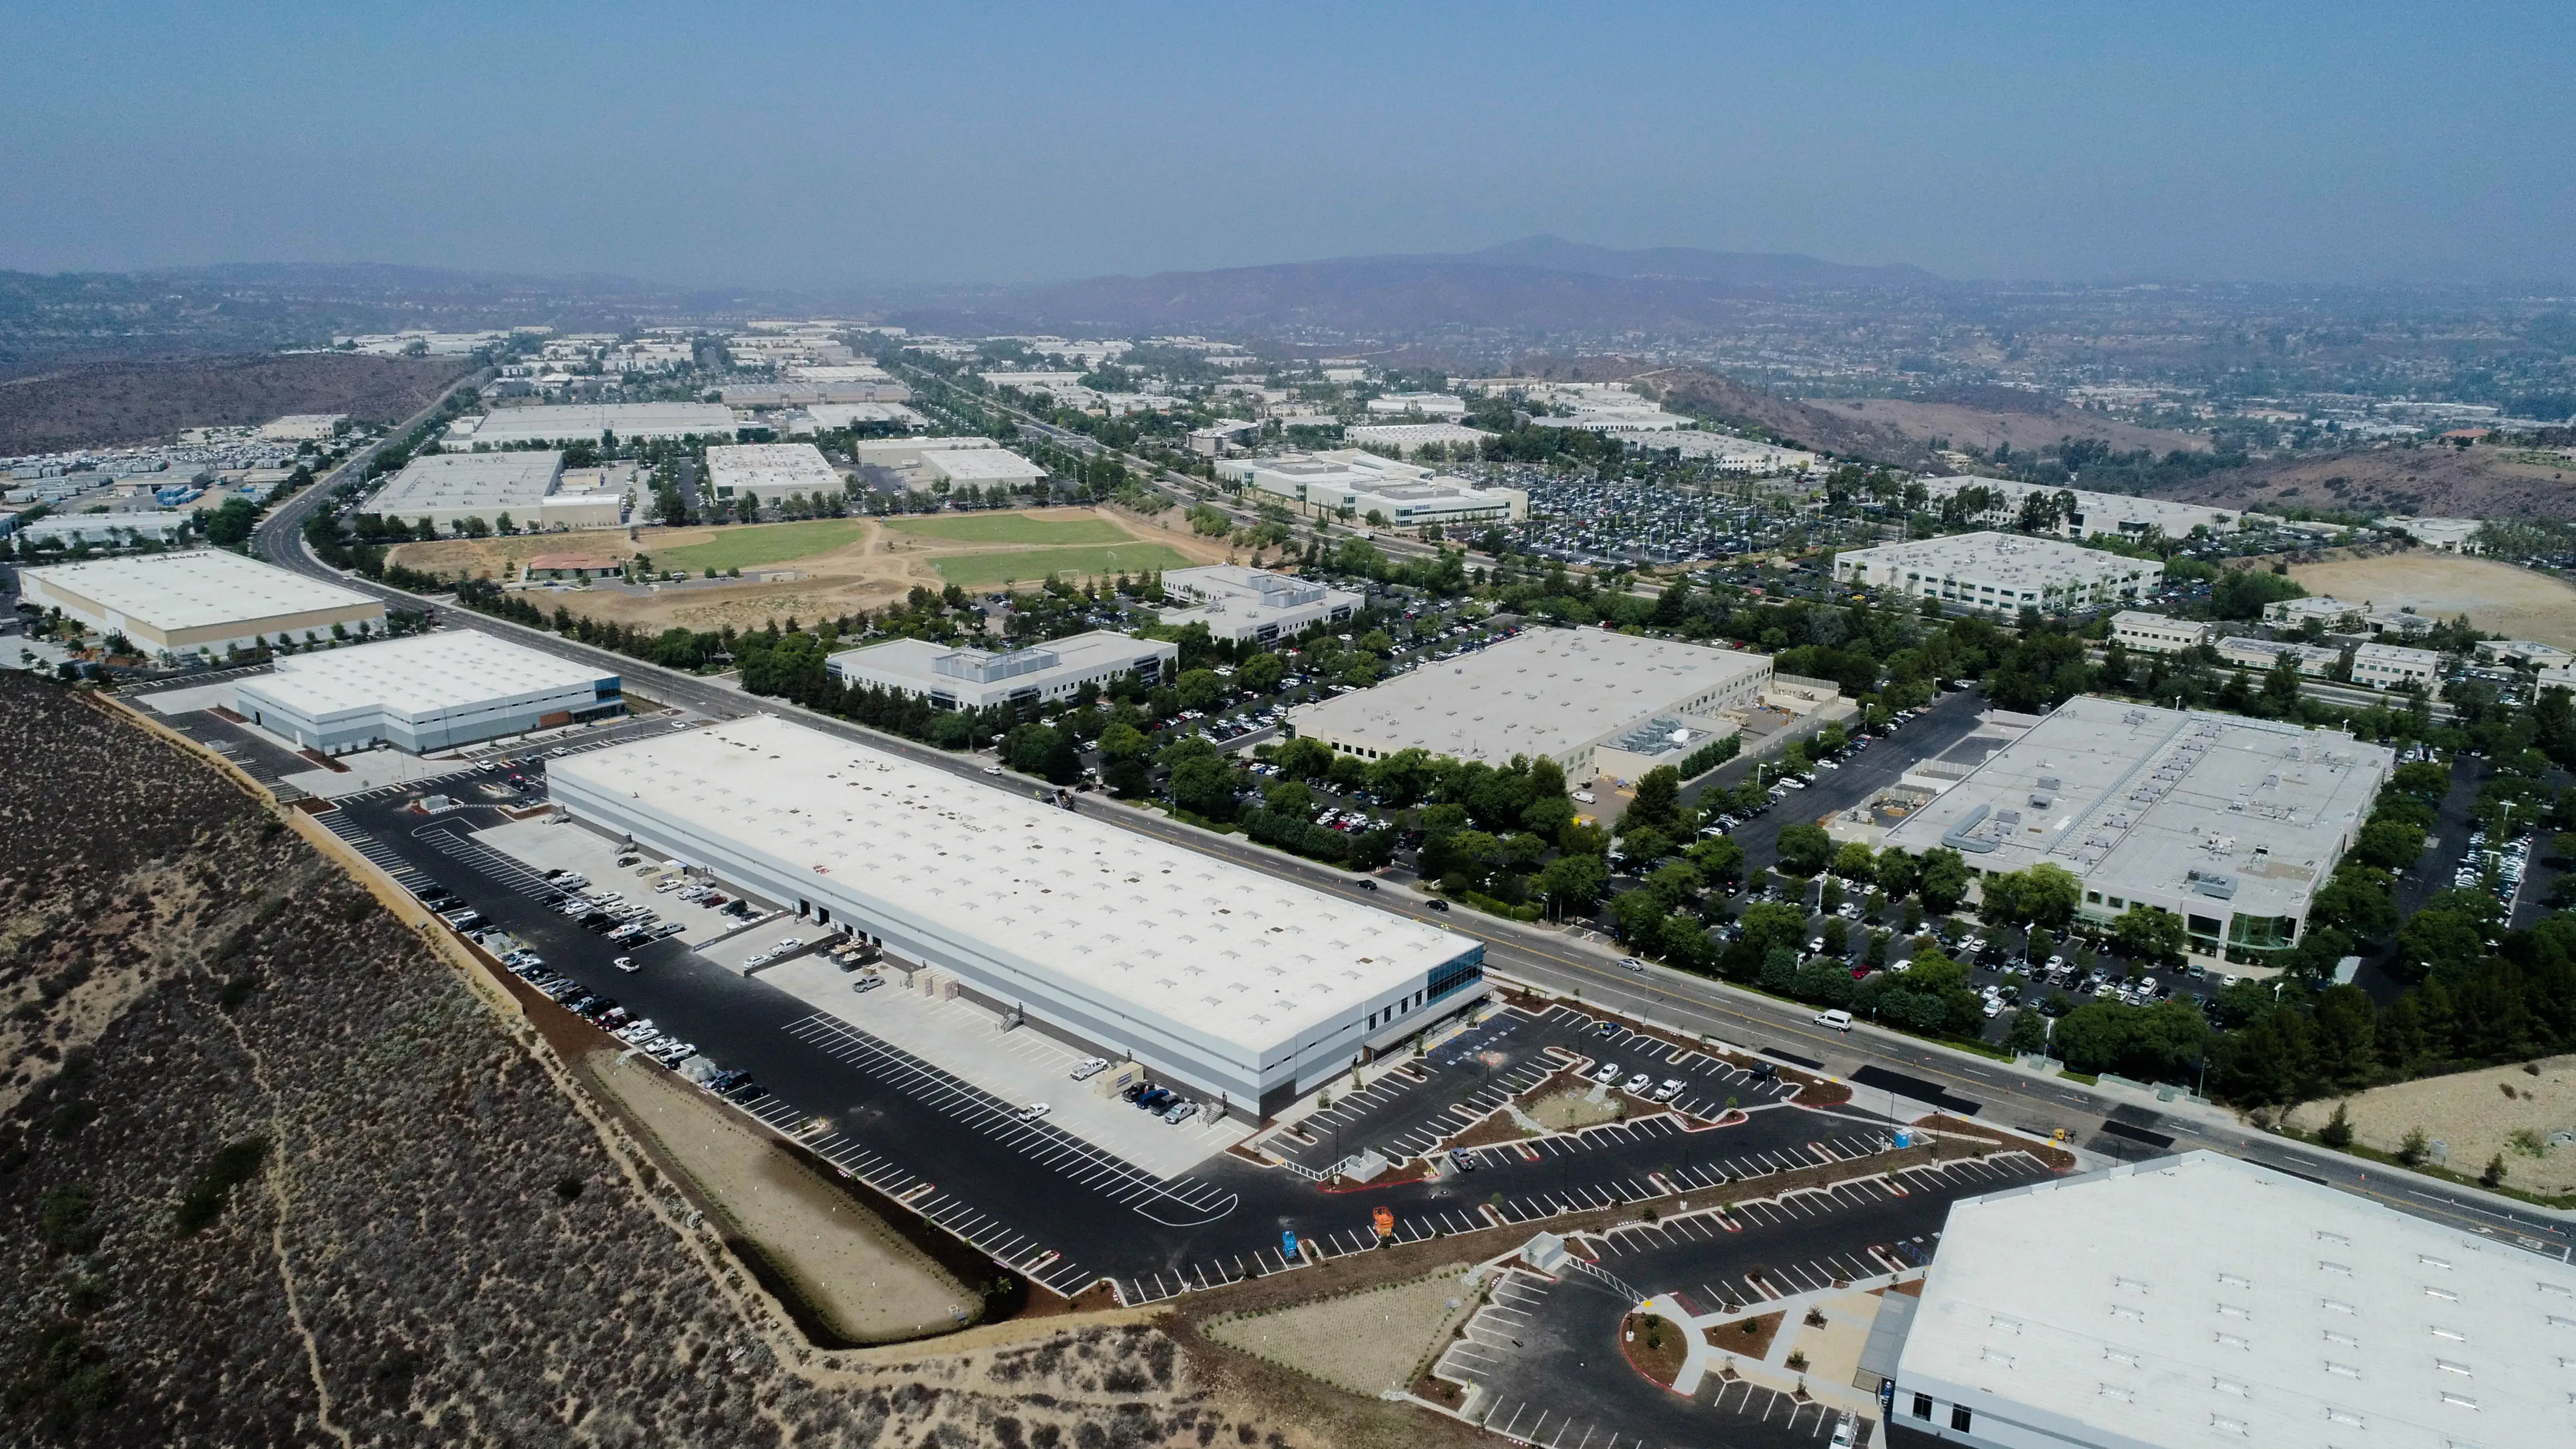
pixel 874 569
pixel 1573 1108
pixel 137 401
pixel 864 1281
pixel 2497 597
pixel 1363 1342
pixel 2477 1117
pixel 1975 427
pixel 2437 482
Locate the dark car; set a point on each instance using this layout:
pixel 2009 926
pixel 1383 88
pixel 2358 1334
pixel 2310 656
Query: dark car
pixel 1438 905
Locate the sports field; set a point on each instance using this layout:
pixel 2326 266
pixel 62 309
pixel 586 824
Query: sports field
pixel 1010 528
pixel 751 545
pixel 1027 566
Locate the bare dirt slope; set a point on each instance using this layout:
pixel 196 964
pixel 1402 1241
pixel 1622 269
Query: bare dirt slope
pixel 2435 481
pixel 2026 427
pixel 2509 1111
pixel 302 1186
pixel 101 403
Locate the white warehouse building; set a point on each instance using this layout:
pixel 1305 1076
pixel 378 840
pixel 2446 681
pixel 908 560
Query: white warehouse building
pixel 427 692
pixel 584 422
pixel 2202 1300
pixel 530 488
pixel 2121 515
pixel 207 600
pixel 770 470
pixel 1361 483
pixel 1247 989
pixel 1243 605
pixel 2001 573
pixel 954 678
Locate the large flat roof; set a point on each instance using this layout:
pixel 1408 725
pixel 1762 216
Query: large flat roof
pixel 421 675
pixel 1543 692
pixel 197 588
pixel 566 422
pixel 470 480
pixel 2200 1300
pixel 1221 949
pixel 2147 797
pixel 771 466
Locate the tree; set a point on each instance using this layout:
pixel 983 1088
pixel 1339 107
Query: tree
pixel 1043 751
pixel 2389 844
pixel 2149 934
pixel 1657 803
pixel 1896 873
pixel 1804 848
pixel 1943 883
pixel 1572 882
pixel 230 525
pixel 1718 858
pixel 1200 688
pixel 1261 673
pixel 1856 861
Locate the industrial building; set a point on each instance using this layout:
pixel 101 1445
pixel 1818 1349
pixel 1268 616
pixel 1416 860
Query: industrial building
pixel 303 427
pixel 2388 666
pixel 531 489
pixel 426 692
pixel 955 678
pixel 2001 573
pixel 904 452
pixel 2228 822
pixel 1591 700
pixel 109 530
pixel 2118 514
pixel 1424 404
pixel 2147 633
pixel 1350 481
pixel 1407 439
pixel 2203 1300
pixel 982 468
pixel 770 470
pixel 2450 535
pixel 1253 605
pixel 584 422
pixel 198 600
pixel 1245 989
pixel 830 417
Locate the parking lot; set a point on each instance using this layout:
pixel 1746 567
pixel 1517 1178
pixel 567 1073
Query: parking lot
pixel 1544 1357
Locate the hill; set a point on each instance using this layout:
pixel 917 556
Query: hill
pixel 1535 284
pixel 116 401
pixel 1985 417
pixel 2434 481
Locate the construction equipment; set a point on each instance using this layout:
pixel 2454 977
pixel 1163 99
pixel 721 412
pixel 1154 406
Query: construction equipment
pixel 1384 1218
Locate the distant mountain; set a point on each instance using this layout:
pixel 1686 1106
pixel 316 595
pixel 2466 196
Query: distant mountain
pixel 1538 283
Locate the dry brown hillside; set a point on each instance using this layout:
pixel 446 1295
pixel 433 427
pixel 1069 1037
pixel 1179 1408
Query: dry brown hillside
pixel 2438 481
pixel 1994 416
pixel 96 404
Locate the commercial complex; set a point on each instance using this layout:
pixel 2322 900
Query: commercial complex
pixel 903 452
pixel 770 470
pixel 208 600
pixel 954 678
pixel 1590 700
pixel 584 422
pixel 109 530
pixel 2202 1300
pixel 2001 573
pixel 2313 660
pixel 2228 822
pixel 1246 989
pixel 2387 666
pixel 428 692
pixel 2157 634
pixel 303 427
pixel 530 488
pixel 1245 604
pixel 2118 514
pixel 2450 535
pixel 1424 404
pixel 1347 480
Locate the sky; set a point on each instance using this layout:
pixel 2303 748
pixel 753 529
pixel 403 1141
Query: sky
pixel 858 146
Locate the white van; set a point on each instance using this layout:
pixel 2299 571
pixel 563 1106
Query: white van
pixel 1838 1019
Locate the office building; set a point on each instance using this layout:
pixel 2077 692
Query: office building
pixel 2228 822
pixel 956 678
pixel 1253 605
pixel 2449 535
pixel 586 422
pixel 2203 1300
pixel 1417 404
pixel 530 489
pixel 831 417
pixel 2312 660
pixel 198 600
pixel 1347 481
pixel 2146 633
pixel 2334 613
pixel 2117 514
pixel 770 471
pixel 2001 573
pixel 1243 990
pixel 905 452
pixel 1592 701
pixel 303 427
pixel 1406 439
pixel 426 692
pixel 2387 666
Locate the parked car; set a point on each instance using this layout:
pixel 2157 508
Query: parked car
pixel 867 983
pixel 1462 1159
pixel 1637 1085
pixel 1608 1072
pixel 1670 1088
pixel 1091 1067
pixel 1181 1112
pixel 1031 1112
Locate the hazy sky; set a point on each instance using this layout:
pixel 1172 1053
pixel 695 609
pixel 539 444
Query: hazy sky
pixel 847 145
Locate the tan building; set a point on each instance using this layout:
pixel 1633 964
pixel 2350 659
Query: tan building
pixel 2147 633
pixel 207 600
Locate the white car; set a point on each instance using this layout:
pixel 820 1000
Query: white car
pixel 1031 1112
pixel 1608 1072
pixel 1637 1085
pixel 867 983
pixel 1671 1088
pixel 1582 797
pixel 1091 1067
pixel 627 963
pixel 992 769
pixel 1631 963
pixel 787 943
pixel 1838 1019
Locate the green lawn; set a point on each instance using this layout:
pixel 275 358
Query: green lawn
pixel 750 545
pixel 1010 528
pixel 980 570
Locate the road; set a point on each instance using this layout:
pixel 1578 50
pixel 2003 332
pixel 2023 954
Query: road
pixel 1562 964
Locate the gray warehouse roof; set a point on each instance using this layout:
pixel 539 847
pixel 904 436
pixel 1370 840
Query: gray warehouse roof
pixel 492 481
